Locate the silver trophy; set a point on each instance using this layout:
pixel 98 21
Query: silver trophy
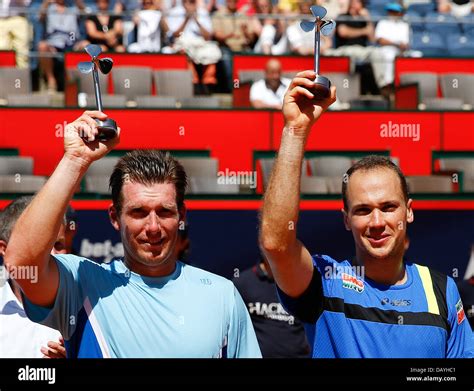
pixel 322 86
pixel 107 128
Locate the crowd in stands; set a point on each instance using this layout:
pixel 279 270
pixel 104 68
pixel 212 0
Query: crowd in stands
pixel 209 31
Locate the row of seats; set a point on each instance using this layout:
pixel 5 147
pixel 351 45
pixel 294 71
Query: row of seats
pixel 457 89
pixel 322 175
pixel 132 87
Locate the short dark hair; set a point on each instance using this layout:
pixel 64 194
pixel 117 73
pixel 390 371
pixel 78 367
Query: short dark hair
pixel 10 215
pixel 147 167
pixel 372 162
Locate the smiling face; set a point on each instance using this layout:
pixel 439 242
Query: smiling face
pixel 148 223
pixel 377 214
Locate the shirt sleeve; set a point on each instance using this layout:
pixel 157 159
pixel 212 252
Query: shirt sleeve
pixel 460 342
pixel 309 306
pixel 242 341
pixel 255 91
pixel 69 298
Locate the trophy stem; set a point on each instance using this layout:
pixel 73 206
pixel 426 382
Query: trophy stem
pixel 98 99
pixel 316 47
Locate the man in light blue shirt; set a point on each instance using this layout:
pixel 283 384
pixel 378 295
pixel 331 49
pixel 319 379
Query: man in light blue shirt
pixel 147 304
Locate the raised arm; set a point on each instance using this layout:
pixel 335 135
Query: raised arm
pixel 35 231
pixel 290 261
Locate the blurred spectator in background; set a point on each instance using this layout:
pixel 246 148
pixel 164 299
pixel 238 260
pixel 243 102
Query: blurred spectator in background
pixel 104 29
pixel 232 32
pixel 271 32
pixel 191 28
pixel 119 6
pixel 269 92
pixel 457 8
pixel 354 34
pixel 14 29
pixel 150 27
pixel 279 334
pixel 62 32
pixel 302 42
pixel 393 36
pixel 19 336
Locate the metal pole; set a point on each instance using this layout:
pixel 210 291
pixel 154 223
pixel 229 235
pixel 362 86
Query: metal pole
pixel 98 99
pixel 316 46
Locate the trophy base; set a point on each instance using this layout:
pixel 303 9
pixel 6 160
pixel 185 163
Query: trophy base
pixel 107 129
pixel 322 87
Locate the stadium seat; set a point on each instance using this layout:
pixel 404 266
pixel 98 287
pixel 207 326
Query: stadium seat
pixel 104 166
pixel 97 184
pixel 132 81
pixel 109 101
pixel 21 184
pixel 266 166
pixel 211 185
pixel 458 85
pixel 430 184
pixel 347 85
pixel 174 82
pixel 245 76
pixel 467 25
pixel 313 185
pixel 443 104
pixel 147 101
pixel 427 83
pixel 416 21
pixel 420 8
pixel 86 82
pixel 464 166
pixel 431 44
pixel 29 100
pixel 14 81
pixel 328 166
pixel 200 102
pixel 444 24
pixel 200 166
pixel 460 45
pixel 12 165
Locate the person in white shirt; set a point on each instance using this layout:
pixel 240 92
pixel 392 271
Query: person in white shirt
pixel 268 93
pixel 393 36
pixel 150 24
pixel 19 336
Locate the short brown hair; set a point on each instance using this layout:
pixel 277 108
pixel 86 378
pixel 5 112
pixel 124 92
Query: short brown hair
pixel 372 162
pixel 147 167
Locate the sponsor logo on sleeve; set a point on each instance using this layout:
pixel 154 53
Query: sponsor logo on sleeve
pixel 460 311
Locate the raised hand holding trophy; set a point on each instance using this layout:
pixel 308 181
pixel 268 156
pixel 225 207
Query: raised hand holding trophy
pixel 107 128
pixel 322 85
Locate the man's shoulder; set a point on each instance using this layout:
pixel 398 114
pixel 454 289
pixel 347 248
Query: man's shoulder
pixel 205 277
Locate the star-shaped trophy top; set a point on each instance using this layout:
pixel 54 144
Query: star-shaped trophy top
pixel 104 64
pixel 325 26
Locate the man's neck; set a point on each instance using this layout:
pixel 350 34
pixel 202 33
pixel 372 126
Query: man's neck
pixel 390 271
pixel 161 270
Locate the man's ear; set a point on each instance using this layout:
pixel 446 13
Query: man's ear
pixel 114 217
pixel 3 247
pixel 345 216
pixel 410 214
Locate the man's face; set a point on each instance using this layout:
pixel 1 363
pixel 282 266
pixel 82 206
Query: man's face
pixel 273 73
pixel 377 213
pixel 232 5
pixel 148 223
pixel 190 6
pixel 355 6
pixel 103 5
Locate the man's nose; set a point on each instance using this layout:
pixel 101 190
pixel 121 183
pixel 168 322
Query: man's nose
pixel 376 219
pixel 153 224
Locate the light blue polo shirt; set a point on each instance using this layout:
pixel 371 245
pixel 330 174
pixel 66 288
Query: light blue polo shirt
pixel 106 310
